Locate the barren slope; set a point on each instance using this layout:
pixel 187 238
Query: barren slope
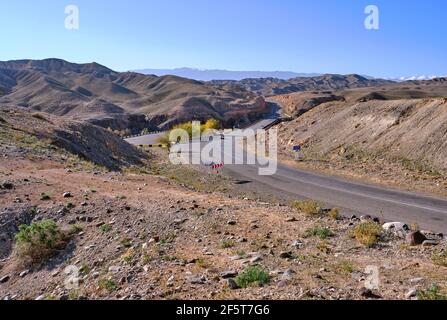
pixel 144 236
pixel 42 136
pixel 119 100
pixel 399 141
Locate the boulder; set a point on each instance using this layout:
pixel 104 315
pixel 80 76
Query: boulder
pixel 229 274
pixel 411 293
pixel 285 255
pixel 415 238
pixel 232 284
pixel 369 294
pixel 6 185
pixel 4 279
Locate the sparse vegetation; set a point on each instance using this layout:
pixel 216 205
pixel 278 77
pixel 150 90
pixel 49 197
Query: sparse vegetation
pixel 345 267
pixel 201 262
pixel 435 292
pixel 126 242
pixel 73 295
pixel 367 233
pixel 44 197
pixel 241 253
pixel 334 213
pixel 253 275
pixel 440 258
pixel 70 206
pixel 105 228
pixel 107 284
pixel 39 241
pixel 227 244
pixel 320 232
pixel 129 255
pixel 323 247
pixel 74 229
pixel 308 207
pixel 210 124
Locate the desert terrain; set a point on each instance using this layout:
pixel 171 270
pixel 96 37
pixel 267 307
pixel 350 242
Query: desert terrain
pixel 132 226
pixel 125 101
pixel 394 134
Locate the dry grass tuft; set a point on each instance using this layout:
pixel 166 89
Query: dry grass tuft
pixel 367 233
pixel 308 207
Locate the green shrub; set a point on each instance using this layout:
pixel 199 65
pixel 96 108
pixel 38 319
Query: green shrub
pixel 433 293
pixel 39 241
pixel 107 284
pixel 44 197
pixel 367 233
pixel 70 205
pixel 105 228
pixel 253 275
pixel 74 229
pixel 320 232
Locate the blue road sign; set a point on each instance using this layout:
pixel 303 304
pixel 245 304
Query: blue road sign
pixel 297 148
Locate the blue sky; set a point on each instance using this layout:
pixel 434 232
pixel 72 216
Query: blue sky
pixel 325 36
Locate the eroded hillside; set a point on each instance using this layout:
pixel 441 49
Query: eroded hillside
pixel 42 136
pixel 120 100
pixel 402 140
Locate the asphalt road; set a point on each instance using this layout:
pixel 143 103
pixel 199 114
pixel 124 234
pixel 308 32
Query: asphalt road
pixel 146 139
pixel 350 196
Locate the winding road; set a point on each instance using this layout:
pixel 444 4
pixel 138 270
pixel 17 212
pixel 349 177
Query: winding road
pixel 351 197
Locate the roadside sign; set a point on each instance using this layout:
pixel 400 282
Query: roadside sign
pixel 297 148
pixel 217 166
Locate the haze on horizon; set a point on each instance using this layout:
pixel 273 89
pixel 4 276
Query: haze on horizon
pixel 320 36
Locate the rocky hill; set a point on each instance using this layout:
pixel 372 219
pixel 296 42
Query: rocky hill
pixel 394 134
pixel 300 102
pixel 120 100
pixel 273 86
pixel 45 137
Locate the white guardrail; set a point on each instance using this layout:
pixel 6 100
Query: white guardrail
pixel 143 134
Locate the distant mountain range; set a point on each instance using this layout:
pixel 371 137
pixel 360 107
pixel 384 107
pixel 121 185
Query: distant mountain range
pixel 208 75
pixel 130 100
pixel 327 82
pixel 121 100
